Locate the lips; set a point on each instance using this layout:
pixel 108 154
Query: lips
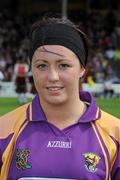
pixel 54 88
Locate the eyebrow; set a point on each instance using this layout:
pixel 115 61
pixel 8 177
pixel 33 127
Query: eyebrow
pixel 46 61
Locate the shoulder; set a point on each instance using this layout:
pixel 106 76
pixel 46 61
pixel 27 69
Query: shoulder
pixel 9 121
pixel 109 120
pixel 110 124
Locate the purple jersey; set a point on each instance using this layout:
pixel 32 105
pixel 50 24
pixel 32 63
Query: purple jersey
pixel 86 150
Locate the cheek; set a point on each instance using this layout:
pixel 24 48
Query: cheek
pixel 39 79
pixel 69 77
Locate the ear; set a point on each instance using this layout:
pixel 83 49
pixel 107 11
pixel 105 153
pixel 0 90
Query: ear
pixel 82 72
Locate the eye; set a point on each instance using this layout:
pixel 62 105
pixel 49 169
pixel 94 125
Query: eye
pixel 64 66
pixel 42 66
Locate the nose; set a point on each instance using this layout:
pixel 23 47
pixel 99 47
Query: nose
pixel 53 75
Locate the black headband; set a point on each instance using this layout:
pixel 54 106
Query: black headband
pixel 58 34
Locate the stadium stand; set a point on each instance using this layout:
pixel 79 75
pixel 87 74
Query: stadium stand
pixel 104 31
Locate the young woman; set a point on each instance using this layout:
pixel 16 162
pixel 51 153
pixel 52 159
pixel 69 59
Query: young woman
pixel 61 134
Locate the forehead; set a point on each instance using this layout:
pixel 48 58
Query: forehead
pixel 57 50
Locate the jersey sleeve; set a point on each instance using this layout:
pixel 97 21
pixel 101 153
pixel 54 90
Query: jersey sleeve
pixel 9 124
pixel 110 126
pixel 116 167
pixel 3 145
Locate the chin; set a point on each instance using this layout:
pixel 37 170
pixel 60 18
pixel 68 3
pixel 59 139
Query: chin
pixel 56 102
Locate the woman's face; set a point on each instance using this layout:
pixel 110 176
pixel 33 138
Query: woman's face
pixel 56 72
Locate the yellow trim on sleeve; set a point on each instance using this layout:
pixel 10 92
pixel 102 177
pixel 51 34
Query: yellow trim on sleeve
pixel 110 124
pixel 11 123
pixel 97 113
pixel 30 108
pixel 102 148
pixel 8 121
pixel 110 145
pixel 7 155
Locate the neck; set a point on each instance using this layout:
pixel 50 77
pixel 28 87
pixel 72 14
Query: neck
pixel 64 115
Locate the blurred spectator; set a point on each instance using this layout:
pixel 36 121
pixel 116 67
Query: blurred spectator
pixel 108 89
pixel 90 81
pixel 32 86
pixel 117 30
pixel 102 28
pixel 109 53
pixel 20 78
pixel 115 78
pixel 1 78
pixel 116 55
pixel 2 61
pixel 1 75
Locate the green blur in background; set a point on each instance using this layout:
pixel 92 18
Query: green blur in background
pixel 111 106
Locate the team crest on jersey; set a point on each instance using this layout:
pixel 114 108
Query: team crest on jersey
pixel 91 161
pixel 21 159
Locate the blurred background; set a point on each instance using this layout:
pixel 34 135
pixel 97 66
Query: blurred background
pixel 99 19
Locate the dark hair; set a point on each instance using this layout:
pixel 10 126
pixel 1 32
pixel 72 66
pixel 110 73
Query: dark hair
pixel 45 20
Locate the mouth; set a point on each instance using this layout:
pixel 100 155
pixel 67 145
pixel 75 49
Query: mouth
pixel 54 88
